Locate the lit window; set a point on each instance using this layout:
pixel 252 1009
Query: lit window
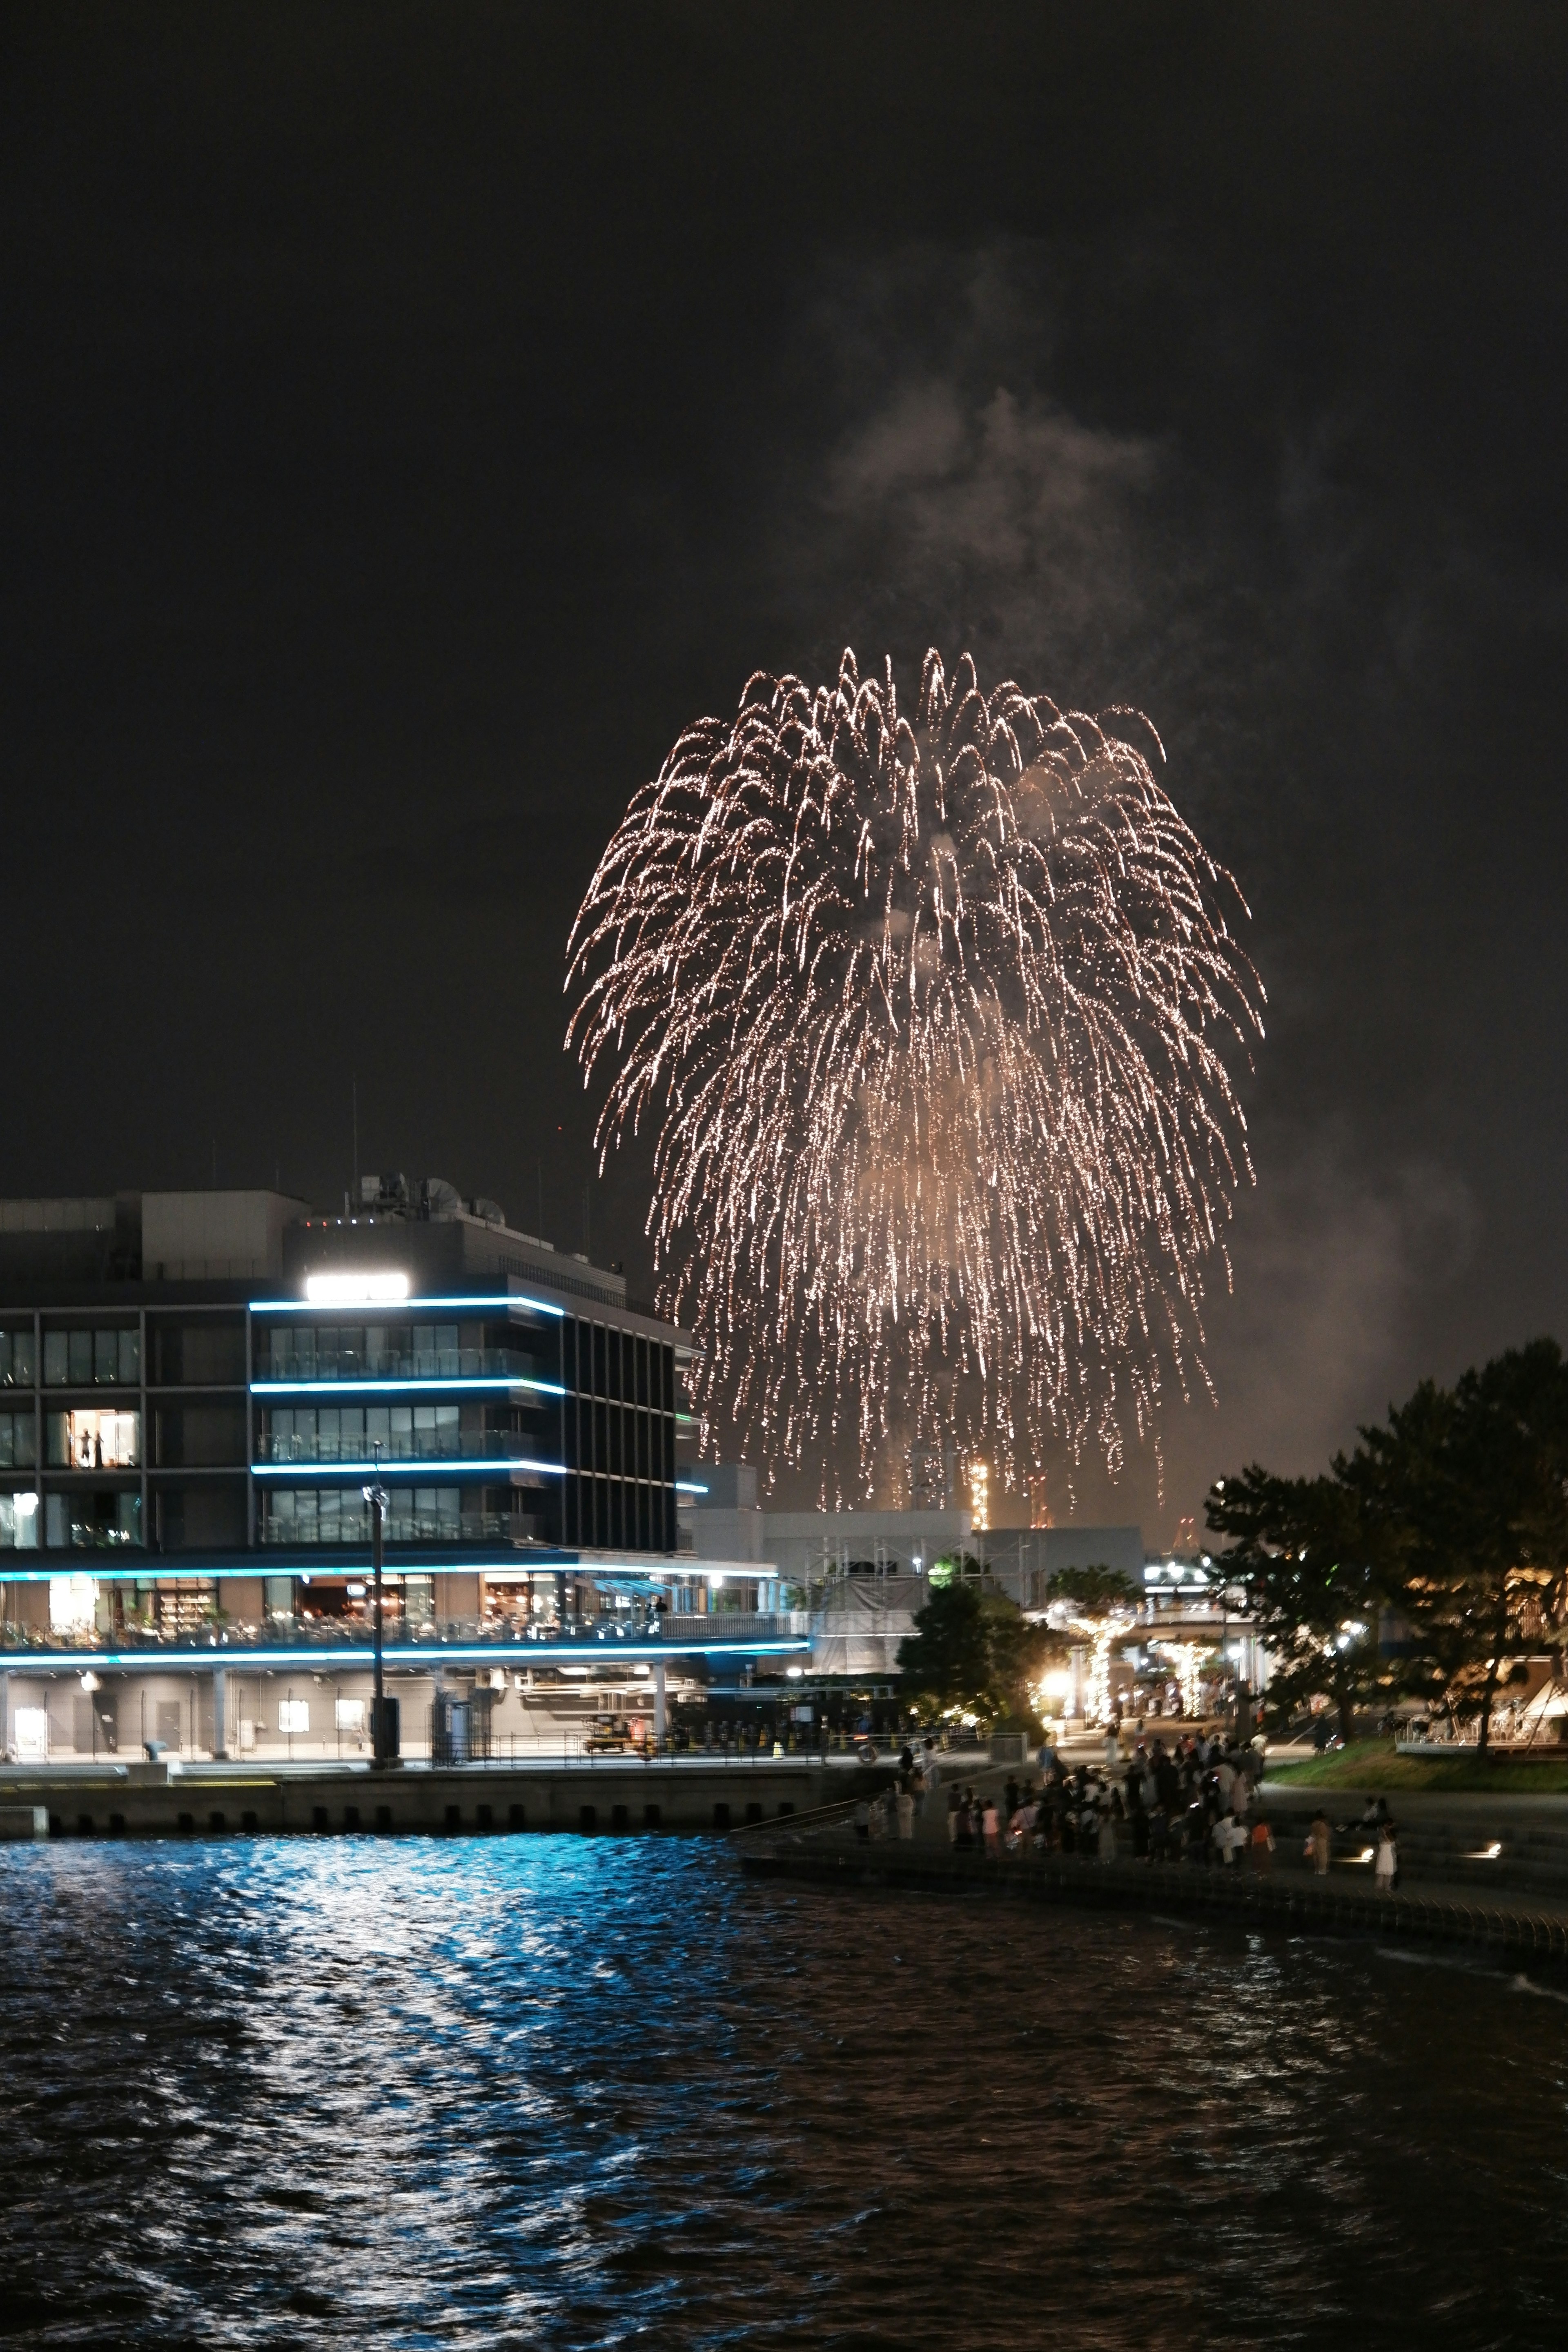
pixel 73 1604
pixel 32 1725
pixel 293 1715
pixel 94 1440
pixel 18 1522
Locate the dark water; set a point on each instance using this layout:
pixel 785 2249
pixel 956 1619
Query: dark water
pixel 561 2091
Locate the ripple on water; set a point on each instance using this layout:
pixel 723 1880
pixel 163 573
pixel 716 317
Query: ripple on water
pixel 563 2092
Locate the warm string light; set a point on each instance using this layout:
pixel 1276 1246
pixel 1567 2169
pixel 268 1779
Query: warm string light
pixel 926 1011
pixel 1187 1658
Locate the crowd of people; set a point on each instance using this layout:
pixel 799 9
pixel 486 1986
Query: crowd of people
pixel 1194 1801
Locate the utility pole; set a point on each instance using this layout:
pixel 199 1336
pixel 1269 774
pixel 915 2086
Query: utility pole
pixel 383 1727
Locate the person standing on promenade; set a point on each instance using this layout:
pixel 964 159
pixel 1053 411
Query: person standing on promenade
pixel 991 1823
pixel 1319 1842
pixel 1262 1845
pixel 904 1804
pixel 1225 1781
pixel 1385 1861
pixel 954 1807
pixel 1240 1796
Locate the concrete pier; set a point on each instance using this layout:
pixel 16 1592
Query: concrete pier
pixel 614 1794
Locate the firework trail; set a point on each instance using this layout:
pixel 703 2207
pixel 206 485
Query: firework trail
pixel 927 1012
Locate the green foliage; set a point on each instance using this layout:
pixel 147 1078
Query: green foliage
pixel 1468 1487
pixel 1095 1592
pixel 973 1649
pixel 1313 1567
pixel 1454 1515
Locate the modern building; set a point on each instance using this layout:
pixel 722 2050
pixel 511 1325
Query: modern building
pixel 861 1575
pixel 197 1388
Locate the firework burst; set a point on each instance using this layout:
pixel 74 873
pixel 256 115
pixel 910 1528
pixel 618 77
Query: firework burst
pixel 928 1013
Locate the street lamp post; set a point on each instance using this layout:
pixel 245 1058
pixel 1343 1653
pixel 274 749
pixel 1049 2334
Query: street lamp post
pixel 383 1726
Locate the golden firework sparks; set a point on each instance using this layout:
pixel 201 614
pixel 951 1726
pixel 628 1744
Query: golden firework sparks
pixel 927 1012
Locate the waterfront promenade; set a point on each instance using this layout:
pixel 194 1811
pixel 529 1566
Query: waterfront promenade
pixel 1488 1872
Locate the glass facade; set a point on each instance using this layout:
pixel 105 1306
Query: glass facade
pixel 618 1438
pixel 175 1429
pixel 78 1358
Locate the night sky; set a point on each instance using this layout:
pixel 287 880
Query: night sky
pixel 411 416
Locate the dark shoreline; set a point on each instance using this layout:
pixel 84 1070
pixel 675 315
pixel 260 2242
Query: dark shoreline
pixel 1521 1936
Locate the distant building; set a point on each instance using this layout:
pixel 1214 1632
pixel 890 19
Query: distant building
pixel 864 1572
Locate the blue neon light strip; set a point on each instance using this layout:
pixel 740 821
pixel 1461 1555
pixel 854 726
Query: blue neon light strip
pixel 351 1388
pixel 397 1654
pixel 376 1308
pixel 682 1488
pixel 432 1471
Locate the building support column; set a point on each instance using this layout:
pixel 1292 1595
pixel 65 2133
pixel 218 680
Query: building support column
pixel 660 1717
pixel 220 1710
pixel 4 1716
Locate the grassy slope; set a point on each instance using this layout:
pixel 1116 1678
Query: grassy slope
pixel 1373 1764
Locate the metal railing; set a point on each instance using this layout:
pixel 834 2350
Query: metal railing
pixel 500 1445
pixel 306 1634
pixel 386 1364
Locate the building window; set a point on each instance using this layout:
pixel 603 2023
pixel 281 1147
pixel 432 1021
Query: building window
pixel 293 1715
pixel 336 1351
pixel 405 1432
pixel 32 1732
pixel 334 1515
pixel 18 1522
pixel 84 1360
pixel 93 1439
pixel 16 1359
pixel 73 1604
pixel 92 1518
pixel 19 1440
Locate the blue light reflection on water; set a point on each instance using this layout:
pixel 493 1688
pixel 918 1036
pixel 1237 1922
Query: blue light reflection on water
pixel 565 2091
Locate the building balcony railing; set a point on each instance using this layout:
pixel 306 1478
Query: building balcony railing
pixel 499 1445
pixel 736 1625
pixel 402 1526
pixel 385 1364
pixel 227 1640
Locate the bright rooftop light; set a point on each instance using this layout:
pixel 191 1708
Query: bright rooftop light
pixel 354 1289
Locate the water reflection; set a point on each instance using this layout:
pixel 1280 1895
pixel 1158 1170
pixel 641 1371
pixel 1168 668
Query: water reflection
pixel 565 2092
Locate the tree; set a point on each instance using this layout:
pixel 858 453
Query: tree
pixel 1101 1603
pixel 1312 1564
pixel 1469 1487
pixel 1094 1591
pixel 973 1649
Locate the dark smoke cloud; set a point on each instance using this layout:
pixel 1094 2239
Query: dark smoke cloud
pixel 1285 618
